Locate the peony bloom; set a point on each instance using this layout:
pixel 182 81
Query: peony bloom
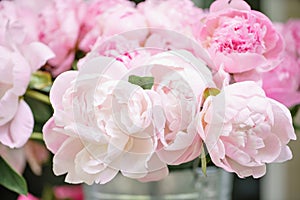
pixel 103 123
pixel 243 129
pixel 171 14
pixel 180 81
pixel 57 24
pixel 103 17
pixel 27 197
pixel 291 35
pixel 19 57
pixel 98 129
pixel 242 40
pixel 170 24
pixel 72 192
pixel 282 83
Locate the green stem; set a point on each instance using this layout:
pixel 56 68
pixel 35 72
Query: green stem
pixel 36 136
pixel 203 160
pixel 38 96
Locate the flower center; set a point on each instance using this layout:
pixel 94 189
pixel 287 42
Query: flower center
pixel 239 35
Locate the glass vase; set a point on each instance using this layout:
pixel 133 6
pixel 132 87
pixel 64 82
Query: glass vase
pixel 181 184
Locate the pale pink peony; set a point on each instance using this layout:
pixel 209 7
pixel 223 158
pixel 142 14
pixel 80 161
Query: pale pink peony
pixel 118 47
pixel 180 80
pixel 107 18
pixel 243 129
pixel 19 57
pixel 57 24
pixel 102 123
pixel 243 40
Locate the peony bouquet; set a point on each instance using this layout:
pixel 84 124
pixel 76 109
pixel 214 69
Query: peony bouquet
pixel 113 87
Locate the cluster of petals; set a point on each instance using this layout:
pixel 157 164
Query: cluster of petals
pixel 282 83
pixel 243 131
pixel 102 123
pixel 56 23
pixel 19 58
pixel 241 41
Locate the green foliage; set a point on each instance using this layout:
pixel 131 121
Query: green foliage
pixel 145 82
pixel 10 179
pixel 41 80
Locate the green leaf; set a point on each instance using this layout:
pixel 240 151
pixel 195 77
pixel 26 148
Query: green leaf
pixel 40 80
pixel 145 82
pixel 10 179
pixel 294 110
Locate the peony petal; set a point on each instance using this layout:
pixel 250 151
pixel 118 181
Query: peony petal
pixel 37 54
pixel 283 125
pixel 285 154
pixel 53 139
pixel 59 87
pixel 63 160
pixel 157 170
pixel 19 129
pixel 8 106
pixel 220 5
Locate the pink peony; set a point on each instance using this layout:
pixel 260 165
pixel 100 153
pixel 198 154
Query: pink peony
pixel 282 83
pixel 171 14
pixel 18 59
pixel 291 34
pixel 72 192
pixel 57 24
pixel 243 129
pixel 103 17
pixel 243 40
pixel 27 197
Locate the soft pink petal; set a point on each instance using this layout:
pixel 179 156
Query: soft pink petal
pixel 59 87
pixel 53 139
pixel 220 5
pixel 285 154
pixel 283 125
pixel 19 129
pixel 38 54
pixel 63 161
pixel 157 170
pixel 8 106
